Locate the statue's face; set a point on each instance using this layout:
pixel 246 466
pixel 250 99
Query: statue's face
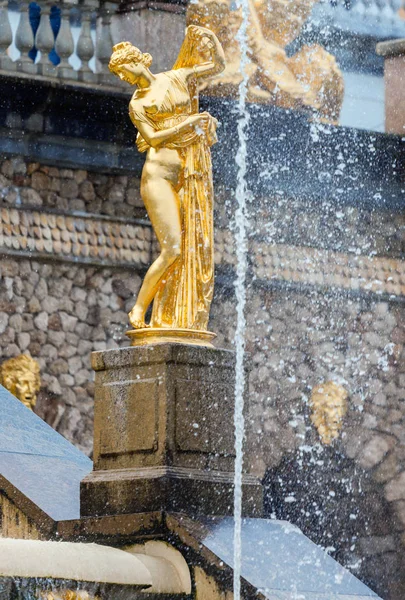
pixel 25 389
pixel 331 415
pixel 131 72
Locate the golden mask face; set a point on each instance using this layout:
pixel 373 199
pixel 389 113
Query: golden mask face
pixel 329 406
pixel 25 390
pixel 20 376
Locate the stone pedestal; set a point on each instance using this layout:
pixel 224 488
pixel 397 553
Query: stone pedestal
pixel 164 433
pixel 394 79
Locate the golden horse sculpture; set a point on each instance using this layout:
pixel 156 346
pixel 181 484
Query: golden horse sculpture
pixel 310 78
pixel 176 187
pixel 21 377
pixel 329 406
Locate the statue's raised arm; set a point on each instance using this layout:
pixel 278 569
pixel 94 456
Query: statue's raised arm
pixel 176 187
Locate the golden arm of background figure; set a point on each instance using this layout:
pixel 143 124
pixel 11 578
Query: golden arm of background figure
pixel 310 78
pixel 210 48
pixel 274 72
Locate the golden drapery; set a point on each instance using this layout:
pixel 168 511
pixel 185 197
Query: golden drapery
pixel 185 293
pixel 184 298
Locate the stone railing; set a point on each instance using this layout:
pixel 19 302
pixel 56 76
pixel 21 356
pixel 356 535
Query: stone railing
pixel 66 40
pixel 378 18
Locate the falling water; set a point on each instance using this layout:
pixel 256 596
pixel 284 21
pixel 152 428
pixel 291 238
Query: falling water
pixel 240 290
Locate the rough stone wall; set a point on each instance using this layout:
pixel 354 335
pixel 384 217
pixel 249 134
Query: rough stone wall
pixel 330 309
pixel 330 224
pixel 59 314
pixel 297 340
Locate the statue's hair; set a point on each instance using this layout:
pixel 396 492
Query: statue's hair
pixel 13 368
pixel 124 53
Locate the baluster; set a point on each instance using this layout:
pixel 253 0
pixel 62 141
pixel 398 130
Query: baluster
pixel 85 46
pixel 359 9
pixel 45 40
pixel 64 44
pixel 105 42
pixel 380 6
pixel 24 40
pixel 339 10
pixel 371 12
pixel 6 37
pixel 390 11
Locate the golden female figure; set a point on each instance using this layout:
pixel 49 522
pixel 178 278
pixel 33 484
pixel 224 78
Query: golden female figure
pixel 176 184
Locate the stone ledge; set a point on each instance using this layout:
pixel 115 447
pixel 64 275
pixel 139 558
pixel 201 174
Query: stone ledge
pixel 165 353
pixel 96 84
pixel 71 152
pixel 391 48
pixel 165 471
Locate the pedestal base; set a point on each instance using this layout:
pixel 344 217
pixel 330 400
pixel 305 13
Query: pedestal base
pixel 168 489
pixel 164 433
pixel 163 335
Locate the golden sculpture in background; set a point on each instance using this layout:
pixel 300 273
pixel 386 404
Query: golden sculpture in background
pixel 310 78
pixel 68 595
pixel 176 186
pixel 329 406
pixel 21 377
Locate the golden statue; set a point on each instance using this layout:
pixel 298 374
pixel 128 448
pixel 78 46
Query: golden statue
pixel 176 186
pixel 20 376
pixel 329 406
pixel 310 78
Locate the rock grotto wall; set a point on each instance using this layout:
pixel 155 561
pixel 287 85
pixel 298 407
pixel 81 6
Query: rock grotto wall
pixel 326 291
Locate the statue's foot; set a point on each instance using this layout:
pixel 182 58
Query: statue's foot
pixel 137 322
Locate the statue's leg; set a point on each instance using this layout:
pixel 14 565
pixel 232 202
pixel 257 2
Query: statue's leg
pixel 163 206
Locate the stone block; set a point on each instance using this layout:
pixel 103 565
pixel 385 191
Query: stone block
pixel 394 70
pixel 164 434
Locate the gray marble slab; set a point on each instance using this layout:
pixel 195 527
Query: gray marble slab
pixel 281 562
pixel 40 462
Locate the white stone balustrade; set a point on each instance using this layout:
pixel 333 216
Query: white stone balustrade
pixel 378 18
pixel 83 43
pixel 84 40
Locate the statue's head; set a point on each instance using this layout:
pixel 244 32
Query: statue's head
pixel 329 406
pixel 128 62
pixel 20 376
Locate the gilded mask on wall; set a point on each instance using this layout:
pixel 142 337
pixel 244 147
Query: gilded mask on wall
pixel 329 406
pixel 20 376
